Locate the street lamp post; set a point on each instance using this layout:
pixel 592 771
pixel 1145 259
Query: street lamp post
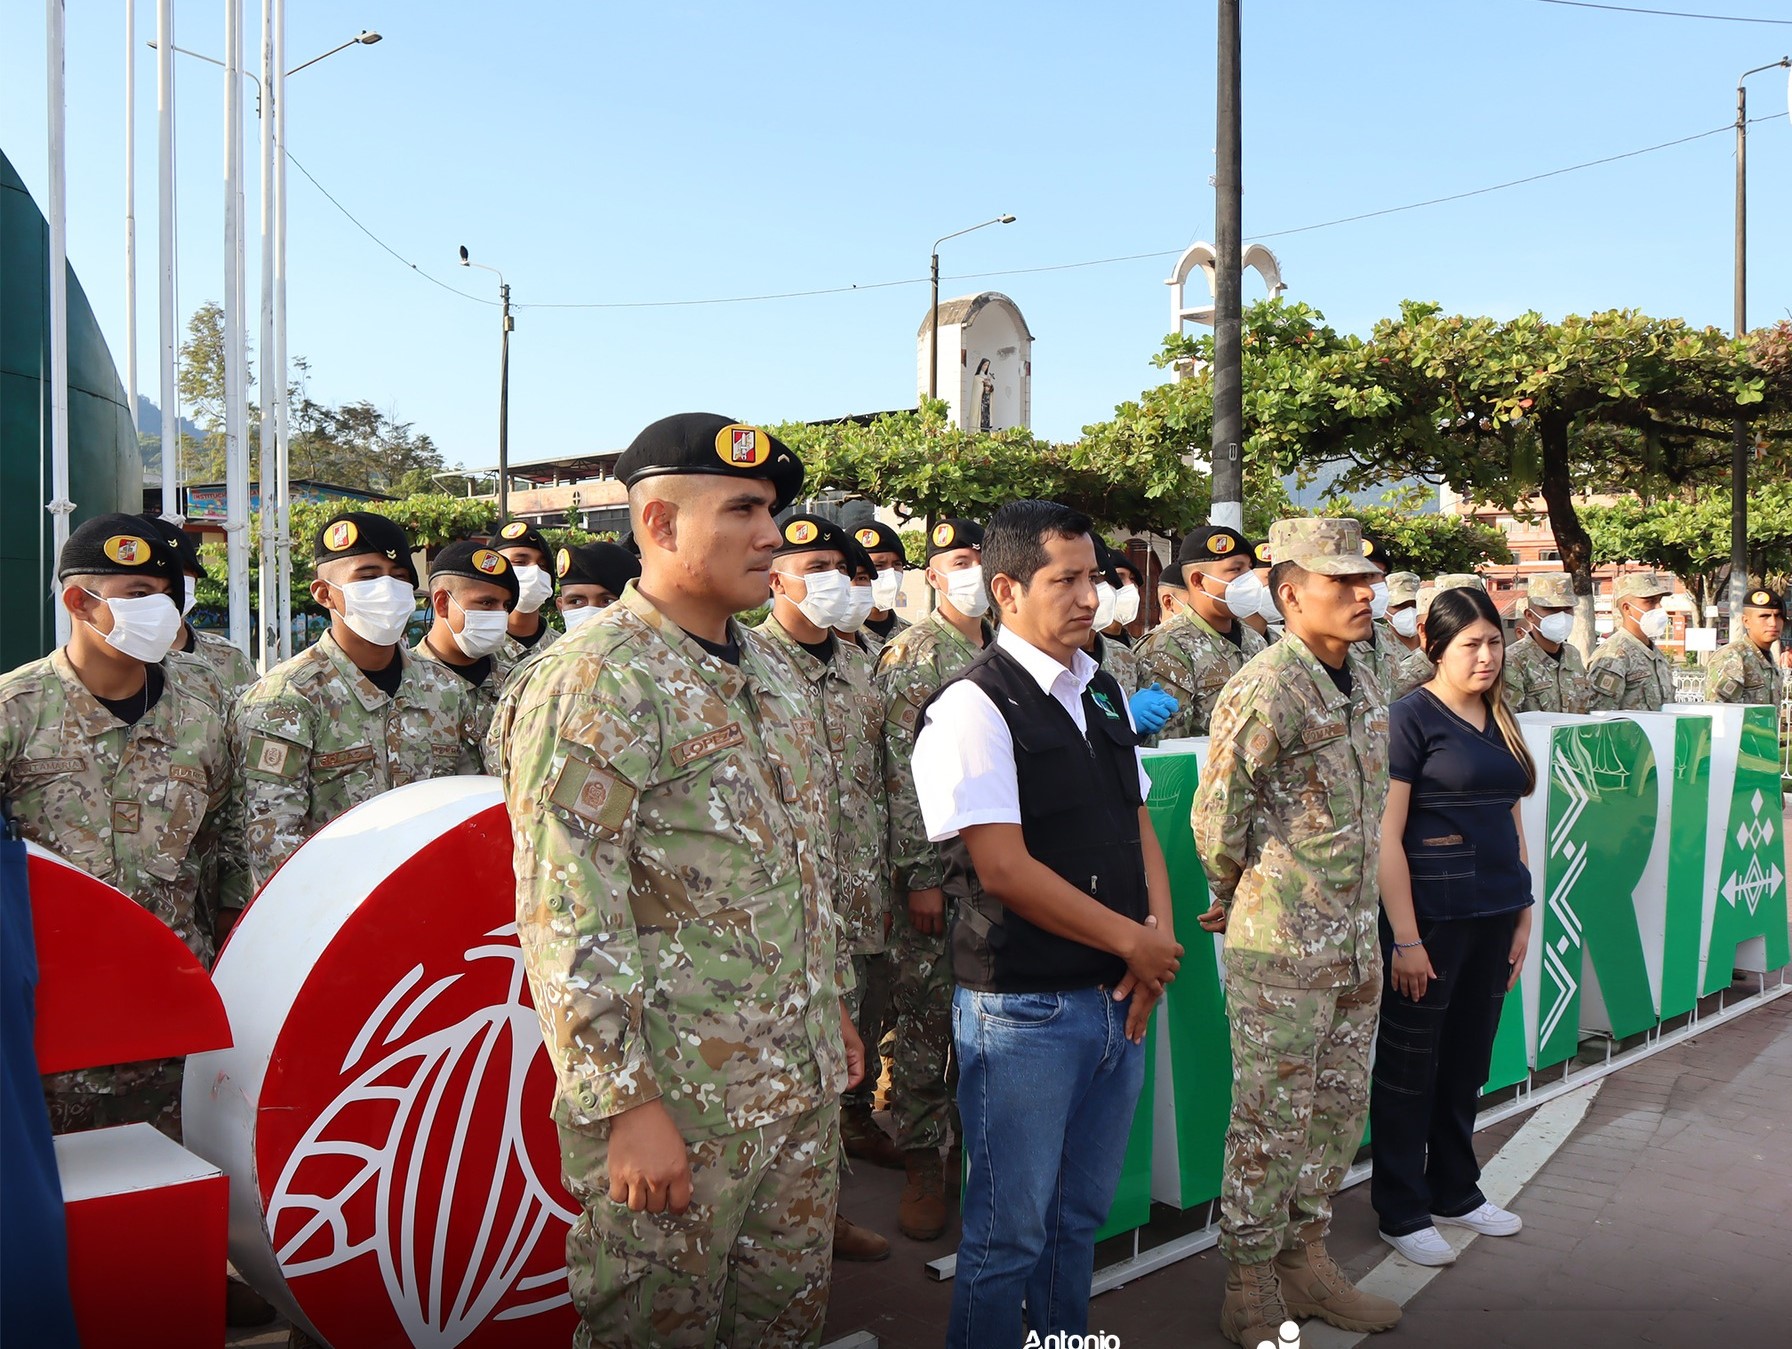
pixel 508 324
pixel 1739 446
pixel 933 329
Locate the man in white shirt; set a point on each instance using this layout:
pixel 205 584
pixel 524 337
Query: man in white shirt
pixel 1027 770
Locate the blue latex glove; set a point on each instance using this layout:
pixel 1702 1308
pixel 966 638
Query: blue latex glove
pixel 1151 709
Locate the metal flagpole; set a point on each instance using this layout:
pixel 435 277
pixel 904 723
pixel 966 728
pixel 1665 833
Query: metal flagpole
pixel 55 43
pixel 165 262
pixel 130 208
pixel 282 465
pixel 267 651
pixel 236 446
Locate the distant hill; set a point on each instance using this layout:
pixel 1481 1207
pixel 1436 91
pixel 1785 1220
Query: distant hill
pixel 149 420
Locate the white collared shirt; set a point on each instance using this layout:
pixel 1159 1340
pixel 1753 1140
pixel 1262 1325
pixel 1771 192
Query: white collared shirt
pixel 964 756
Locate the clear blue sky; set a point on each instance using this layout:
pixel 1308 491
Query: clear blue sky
pixel 675 151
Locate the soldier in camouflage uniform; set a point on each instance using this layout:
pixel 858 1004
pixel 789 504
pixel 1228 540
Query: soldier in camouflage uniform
pixel 1287 820
pixel 807 600
pixel 118 764
pixel 1110 645
pixel 912 668
pixel 667 791
pixel 591 577
pixel 222 657
pixel 1192 655
pixel 472 589
pixel 1544 672
pixel 528 551
pixel 353 716
pixel 884 547
pixel 1382 647
pixel 1744 672
pixel 1627 672
pixel 1399 634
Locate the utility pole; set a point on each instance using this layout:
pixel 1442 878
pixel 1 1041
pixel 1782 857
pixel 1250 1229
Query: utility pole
pixel 504 410
pixel 1228 388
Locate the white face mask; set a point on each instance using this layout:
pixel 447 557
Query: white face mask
pixel 859 612
pixel 966 592
pixel 887 588
pixel 1105 599
pixel 482 631
pixel 1244 595
pixel 143 628
pixel 1555 628
pixel 1266 607
pixel 584 614
pixel 1126 604
pixel 192 596
pixel 827 598
pixel 1655 623
pixel 1406 621
pixel 378 610
pixel 534 586
pixel 1378 599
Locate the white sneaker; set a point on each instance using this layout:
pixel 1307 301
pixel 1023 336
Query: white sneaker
pixel 1490 1220
pixel 1423 1247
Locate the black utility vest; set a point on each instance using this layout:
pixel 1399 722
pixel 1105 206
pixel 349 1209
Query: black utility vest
pixel 1079 806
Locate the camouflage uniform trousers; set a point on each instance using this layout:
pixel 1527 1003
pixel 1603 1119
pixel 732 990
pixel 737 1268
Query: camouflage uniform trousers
pixel 1300 1104
pixel 747 1265
pixel 868 1004
pixel 103 1098
pixel 923 1074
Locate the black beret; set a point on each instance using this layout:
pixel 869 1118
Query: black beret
pixel 522 534
pixel 858 559
pixel 878 537
pixel 1374 550
pixel 181 542
pixel 363 534
pixel 477 562
pixel 810 534
pixel 121 545
pixel 1211 543
pixel 1261 555
pixel 609 565
pixel 703 442
pixel 953 533
pixel 1105 557
pixel 1763 598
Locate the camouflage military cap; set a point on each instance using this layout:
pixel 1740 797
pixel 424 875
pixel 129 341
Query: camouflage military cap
pixel 1329 546
pixel 609 565
pixel 120 545
pixel 522 534
pixel 810 534
pixel 363 534
pixel 181 543
pixel 1458 580
pixel 1641 585
pixel 476 562
pixel 952 533
pixel 1552 590
pixel 706 443
pixel 1403 587
pixel 878 537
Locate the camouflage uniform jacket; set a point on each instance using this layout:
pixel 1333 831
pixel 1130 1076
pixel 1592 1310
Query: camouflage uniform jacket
pixel 1539 682
pixel 852 720
pixel 484 696
pixel 1287 818
pixel 1119 660
pixel 140 807
pixel 1411 669
pixel 1192 662
pixel 669 816
pixel 913 667
pixel 513 653
pixel 875 644
pixel 1383 651
pixel 1743 673
pixel 1628 675
pixel 315 736
pixel 230 665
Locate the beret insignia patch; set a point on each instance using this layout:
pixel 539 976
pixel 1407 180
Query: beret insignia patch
pixel 742 446
pixel 514 530
pixel 867 537
pixel 563 563
pixel 127 550
pixel 800 531
pixel 942 535
pixel 492 564
pixel 1220 544
pixel 341 535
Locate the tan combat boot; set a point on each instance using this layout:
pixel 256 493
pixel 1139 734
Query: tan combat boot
pixel 852 1242
pixel 1253 1311
pixel 1315 1286
pixel 864 1139
pixel 921 1215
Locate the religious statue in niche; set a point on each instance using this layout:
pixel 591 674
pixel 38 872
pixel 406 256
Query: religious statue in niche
pixel 986 389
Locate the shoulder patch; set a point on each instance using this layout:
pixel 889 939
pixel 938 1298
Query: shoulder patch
pixel 587 791
pixel 689 751
pixel 1608 680
pixel 280 758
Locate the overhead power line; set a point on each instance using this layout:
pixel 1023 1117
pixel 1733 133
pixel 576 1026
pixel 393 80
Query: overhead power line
pixel 1019 271
pixel 1664 13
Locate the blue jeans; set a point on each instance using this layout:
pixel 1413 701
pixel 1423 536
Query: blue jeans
pixel 1047 1083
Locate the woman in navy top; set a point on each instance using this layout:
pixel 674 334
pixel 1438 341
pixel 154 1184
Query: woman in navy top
pixel 1455 922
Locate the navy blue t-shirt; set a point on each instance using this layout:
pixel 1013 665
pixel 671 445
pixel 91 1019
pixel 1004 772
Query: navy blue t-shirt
pixel 1461 841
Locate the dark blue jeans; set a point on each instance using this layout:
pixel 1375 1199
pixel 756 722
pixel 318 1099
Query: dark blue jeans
pixel 1047 1083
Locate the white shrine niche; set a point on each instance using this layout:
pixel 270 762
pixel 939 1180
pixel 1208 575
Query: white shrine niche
pixel 1255 257
pixel 986 361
